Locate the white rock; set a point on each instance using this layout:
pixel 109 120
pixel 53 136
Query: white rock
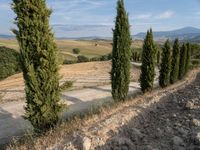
pixel 86 143
pixel 196 122
pixel 189 105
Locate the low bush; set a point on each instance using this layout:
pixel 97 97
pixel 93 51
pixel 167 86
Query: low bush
pixel 83 58
pixel 195 63
pixel 66 85
pixel 76 50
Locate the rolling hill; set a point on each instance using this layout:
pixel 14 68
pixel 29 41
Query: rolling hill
pixel 187 33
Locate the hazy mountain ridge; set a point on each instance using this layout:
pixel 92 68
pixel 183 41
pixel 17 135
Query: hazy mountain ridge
pixel 186 33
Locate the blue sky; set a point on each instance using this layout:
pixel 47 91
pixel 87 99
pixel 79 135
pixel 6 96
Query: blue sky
pixel 75 18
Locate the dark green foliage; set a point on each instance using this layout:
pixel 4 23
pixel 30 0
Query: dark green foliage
pixel 183 54
pixel 195 63
pixel 9 62
pixel 66 85
pixel 158 57
pixel 135 56
pixel 121 54
pixel 39 63
pixel 164 78
pixel 76 50
pixel 148 63
pixel 195 51
pixel 188 58
pixel 83 58
pixel 175 62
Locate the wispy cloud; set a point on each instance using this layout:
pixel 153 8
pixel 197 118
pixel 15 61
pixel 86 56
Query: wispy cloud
pixel 4 6
pixel 165 15
pixel 143 16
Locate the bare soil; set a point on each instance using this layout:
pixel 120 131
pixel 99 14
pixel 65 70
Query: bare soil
pixel 165 119
pixel 89 74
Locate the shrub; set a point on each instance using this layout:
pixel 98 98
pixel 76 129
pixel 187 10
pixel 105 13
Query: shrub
pixel 69 61
pixel 148 63
pixel 164 78
pixel 39 63
pixel 83 58
pixel 175 62
pixel 121 54
pixel 9 62
pixel 76 50
pixel 66 85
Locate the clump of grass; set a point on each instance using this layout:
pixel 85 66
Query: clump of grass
pixel 66 85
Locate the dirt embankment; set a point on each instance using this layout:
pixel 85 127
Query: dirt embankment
pixel 172 123
pixel 164 119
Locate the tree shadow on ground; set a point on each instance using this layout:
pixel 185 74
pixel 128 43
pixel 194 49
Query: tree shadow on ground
pixel 166 125
pixel 11 127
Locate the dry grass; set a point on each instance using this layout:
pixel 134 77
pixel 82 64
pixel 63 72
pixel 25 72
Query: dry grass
pixel 10 43
pixel 90 48
pixel 66 130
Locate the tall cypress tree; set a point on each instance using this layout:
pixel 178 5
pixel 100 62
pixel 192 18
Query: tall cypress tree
pixel 164 78
pixel 148 63
pixel 188 57
pixel 175 62
pixel 183 54
pixel 120 74
pixel 38 56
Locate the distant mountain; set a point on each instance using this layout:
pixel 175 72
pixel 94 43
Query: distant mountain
pixel 3 36
pixel 187 33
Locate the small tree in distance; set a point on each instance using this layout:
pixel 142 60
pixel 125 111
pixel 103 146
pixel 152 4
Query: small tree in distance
pixel 164 78
pixel 148 63
pixel 175 62
pixel 76 50
pixel 121 54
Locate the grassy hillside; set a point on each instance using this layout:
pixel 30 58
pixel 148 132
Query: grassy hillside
pixel 88 48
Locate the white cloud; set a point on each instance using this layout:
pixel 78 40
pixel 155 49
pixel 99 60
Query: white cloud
pixel 165 15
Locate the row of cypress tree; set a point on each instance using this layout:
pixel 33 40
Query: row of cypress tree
pixel 175 62
pixel 39 61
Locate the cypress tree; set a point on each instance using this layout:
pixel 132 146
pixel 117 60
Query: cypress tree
pixel 158 57
pixel 120 74
pixel 188 58
pixel 183 54
pixel 148 63
pixel 38 57
pixel 164 78
pixel 175 62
